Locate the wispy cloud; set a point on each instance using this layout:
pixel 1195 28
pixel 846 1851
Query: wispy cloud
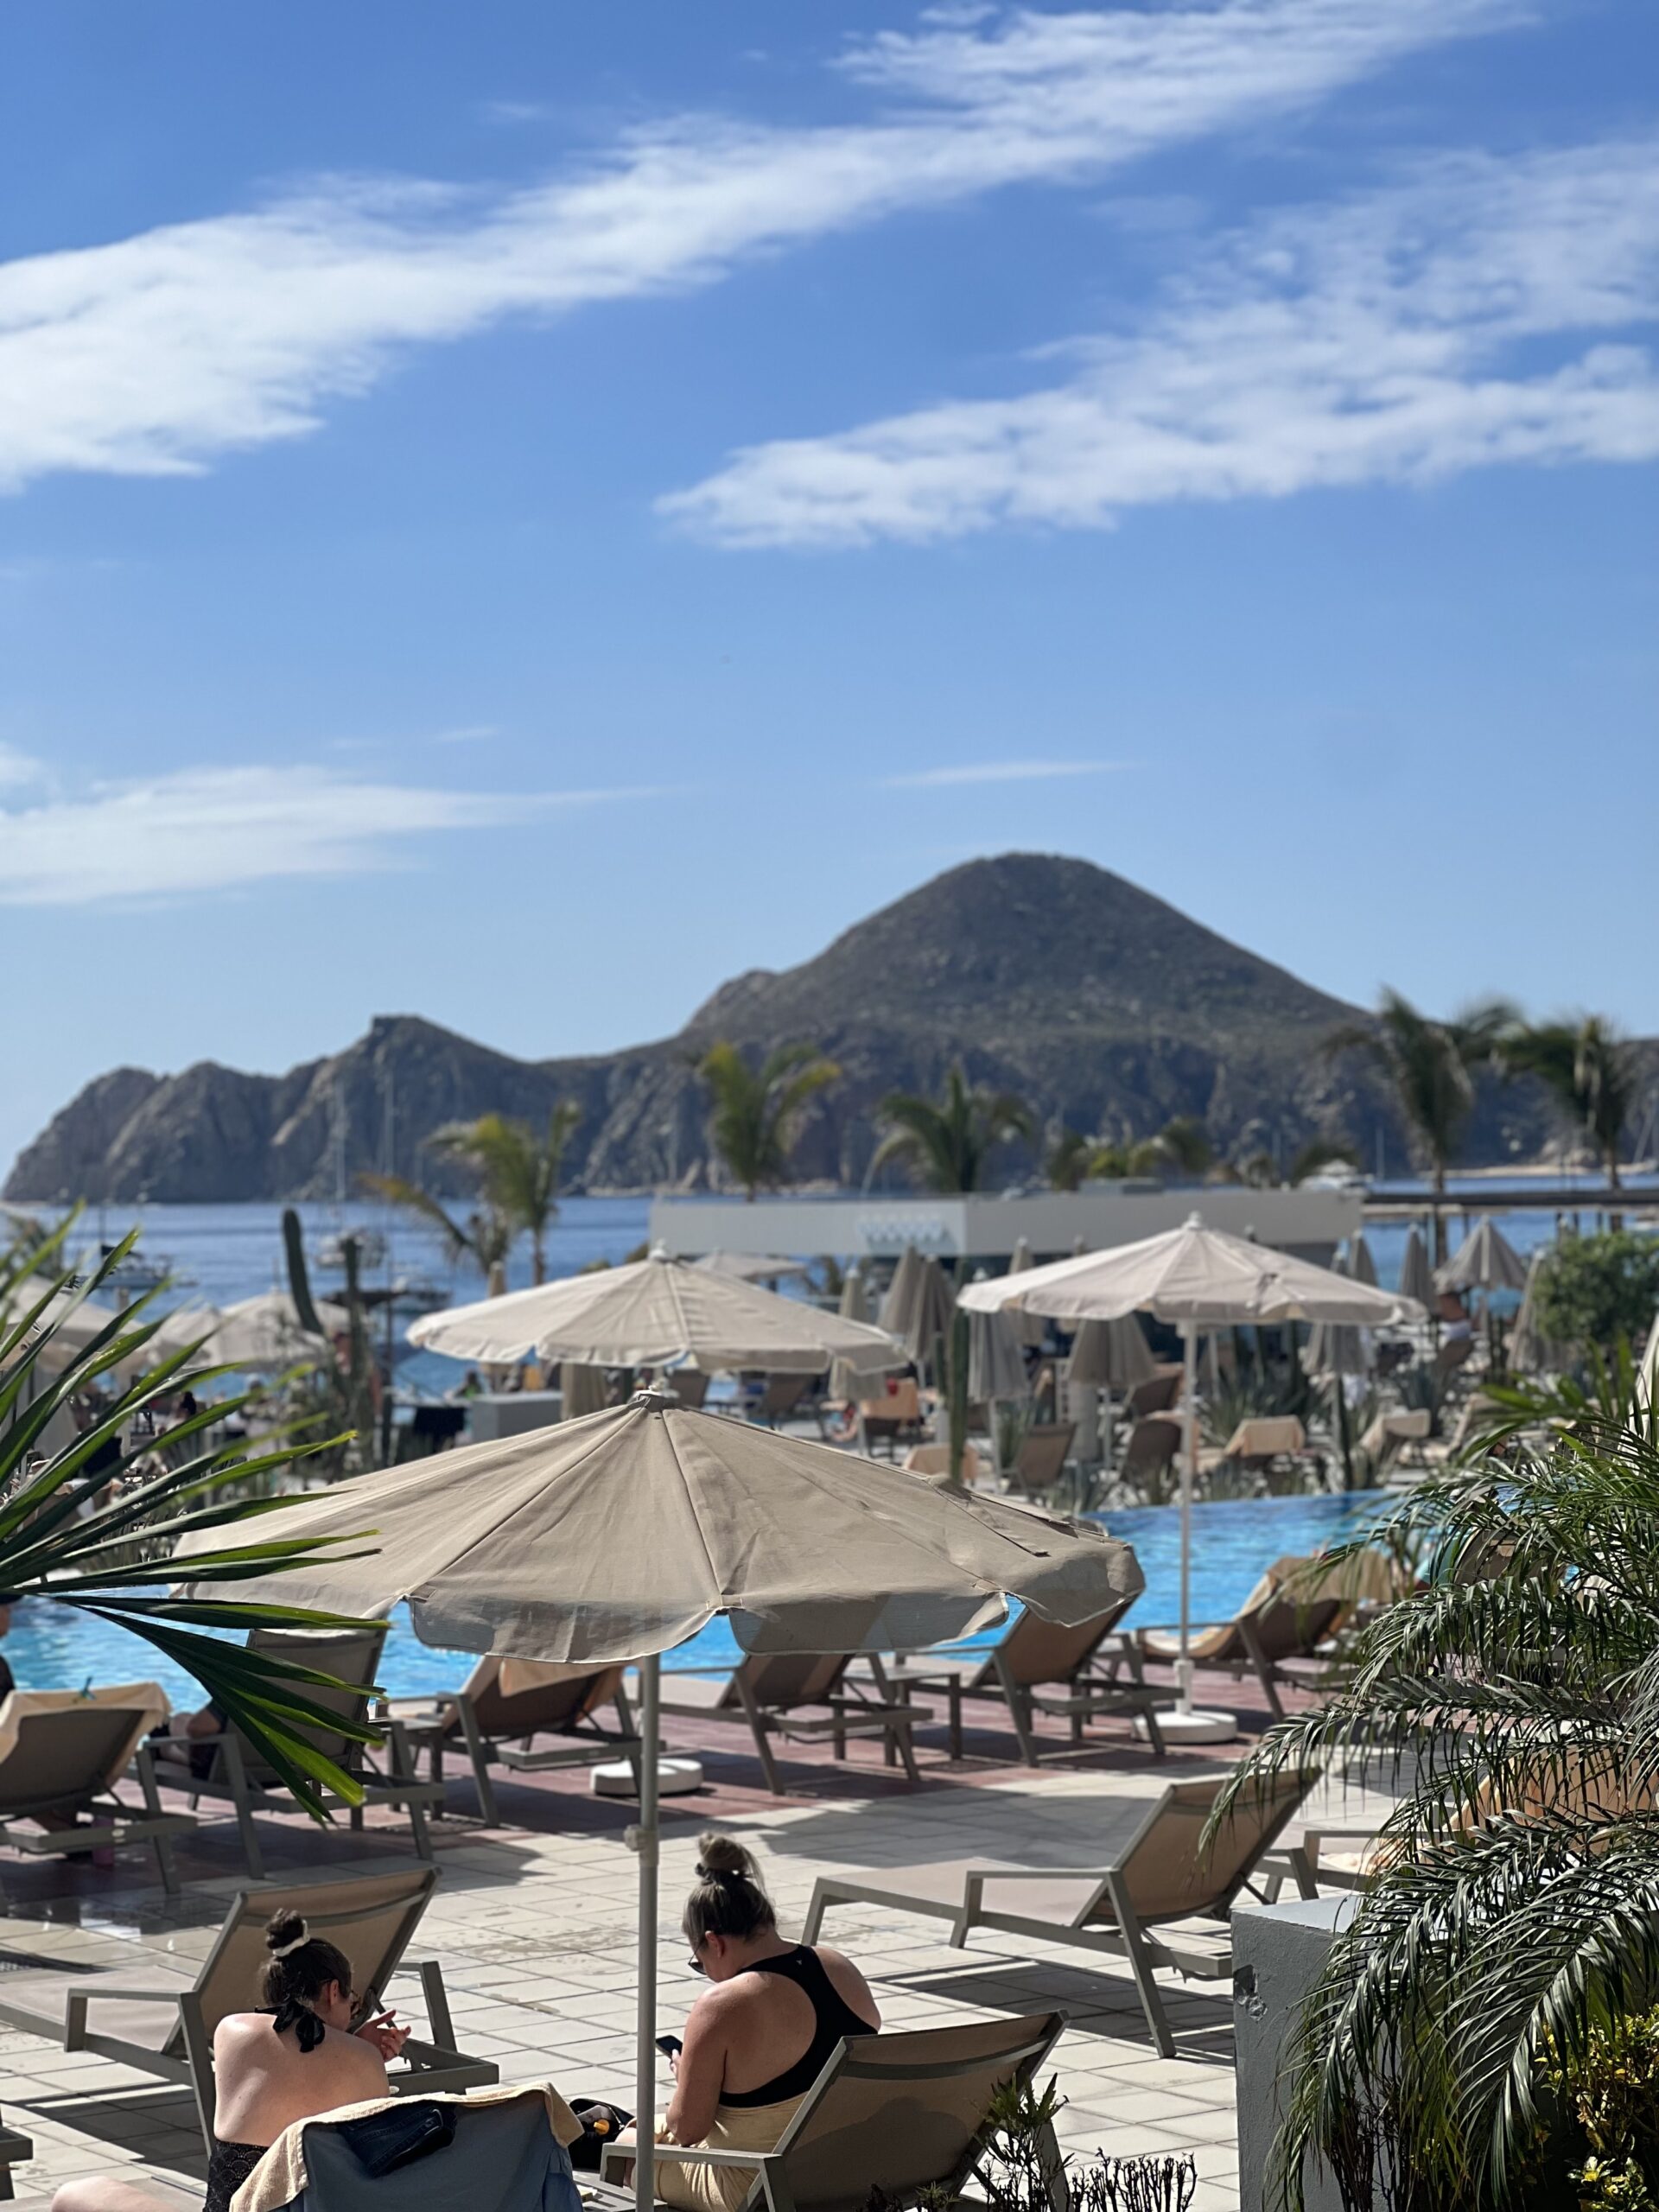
pixel 1481 312
pixel 19 770
pixel 204 829
pixel 998 772
pixel 467 734
pixel 154 354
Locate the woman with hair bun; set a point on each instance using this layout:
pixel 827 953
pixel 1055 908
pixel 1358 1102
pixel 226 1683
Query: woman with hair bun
pixel 759 2036
pixel 297 2058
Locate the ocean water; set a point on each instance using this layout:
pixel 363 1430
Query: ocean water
pixel 1233 1541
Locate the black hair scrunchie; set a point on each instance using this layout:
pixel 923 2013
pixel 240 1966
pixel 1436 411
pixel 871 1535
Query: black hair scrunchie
pixel 306 2027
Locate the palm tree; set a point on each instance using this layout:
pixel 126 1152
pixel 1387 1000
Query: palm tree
pixel 1069 1160
pixel 1514 1691
pixel 1321 1152
pixel 945 1143
pixel 97 1541
pixel 1592 1072
pixel 518 1172
pixel 1432 1067
pixel 485 1236
pixel 755 1120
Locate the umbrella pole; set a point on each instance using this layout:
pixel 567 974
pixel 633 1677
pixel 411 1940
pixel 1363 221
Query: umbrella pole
pixel 644 1839
pixel 1189 1478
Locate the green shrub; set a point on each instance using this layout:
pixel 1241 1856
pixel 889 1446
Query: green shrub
pixel 1600 1291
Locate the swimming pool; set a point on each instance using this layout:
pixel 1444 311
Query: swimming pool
pixel 51 1648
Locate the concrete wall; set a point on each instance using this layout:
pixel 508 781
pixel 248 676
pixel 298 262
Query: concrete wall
pixel 1309 1222
pixel 1278 1952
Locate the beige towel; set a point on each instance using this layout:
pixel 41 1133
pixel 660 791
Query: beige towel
pixel 280 2175
pixel 722 2189
pixel 147 1700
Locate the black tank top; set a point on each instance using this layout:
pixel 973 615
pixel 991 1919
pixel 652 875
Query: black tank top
pixel 832 2018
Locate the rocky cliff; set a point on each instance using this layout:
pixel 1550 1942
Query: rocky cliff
pixel 1098 1003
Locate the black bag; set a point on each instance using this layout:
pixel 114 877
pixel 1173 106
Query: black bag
pixel 382 2141
pixel 600 2125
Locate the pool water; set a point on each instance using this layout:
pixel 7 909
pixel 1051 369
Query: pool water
pixel 50 1647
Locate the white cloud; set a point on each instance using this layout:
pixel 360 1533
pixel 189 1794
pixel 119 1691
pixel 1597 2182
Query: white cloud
pixel 153 354
pixel 1480 313
pixel 998 772
pixel 467 734
pixel 213 829
pixel 18 770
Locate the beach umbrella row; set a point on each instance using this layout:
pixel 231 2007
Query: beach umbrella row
pixel 919 1305
pixel 1484 1261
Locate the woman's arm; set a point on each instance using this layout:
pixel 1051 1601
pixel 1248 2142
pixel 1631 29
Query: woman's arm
pixel 701 2074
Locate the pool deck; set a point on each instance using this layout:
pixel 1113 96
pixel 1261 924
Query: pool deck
pixel 534 1925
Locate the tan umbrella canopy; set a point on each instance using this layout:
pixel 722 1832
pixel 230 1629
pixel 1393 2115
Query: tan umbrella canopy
pixel 262 1332
pixel 654 1313
pixel 847 1379
pixel 754 1267
pixel 582 1389
pixel 1111 1355
pixel 514 1546
pixel 1484 1261
pixel 1531 1352
pixel 1200 1279
pixel 1361 1266
pixel 1416 1276
pixel 1028 1326
pixel 997 1361
pixel 1338 1347
pixel 919 1305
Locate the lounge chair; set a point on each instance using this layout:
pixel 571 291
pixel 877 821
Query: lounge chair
pixel 239 1776
pixel 896 1413
pixel 772 1693
pixel 504 2148
pixel 1158 1395
pixel 688 1384
pixel 1138 1906
pixel 932 1462
pixel 503 1706
pixel 784 1395
pixel 890 2118
pixel 1256 1443
pixel 162 2021
pixel 17 2150
pixel 61 1754
pixel 1040 1461
pixel 1154 1442
pixel 1277 1632
pixel 1037 1667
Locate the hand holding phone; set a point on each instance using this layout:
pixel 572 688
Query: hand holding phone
pixel 670 2047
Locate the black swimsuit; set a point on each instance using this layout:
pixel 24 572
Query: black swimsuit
pixel 832 2018
pixel 229 2165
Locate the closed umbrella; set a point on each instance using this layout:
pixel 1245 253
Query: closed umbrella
pixel 1199 1279
pixel 1361 1266
pixel 1028 1326
pixel 1531 1352
pixel 582 1390
pixel 996 1361
pixel 754 1267
pixel 617 1537
pixel 1484 1261
pixel 919 1305
pixel 1111 1355
pixel 847 1379
pixel 1338 1348
pixel 1416 1277
pixel 654 1313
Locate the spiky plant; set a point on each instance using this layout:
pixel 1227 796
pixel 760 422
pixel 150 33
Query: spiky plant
pixel 1431 1066
pixel 946 1142
pixel 756 1112
pixel 60 1544
pixel 1515 1908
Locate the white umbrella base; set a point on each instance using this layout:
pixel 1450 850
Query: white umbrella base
pixel 1193 1728
pixel 675 1779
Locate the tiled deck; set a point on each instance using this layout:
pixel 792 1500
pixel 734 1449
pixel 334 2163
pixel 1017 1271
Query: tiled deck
pixel 534 1923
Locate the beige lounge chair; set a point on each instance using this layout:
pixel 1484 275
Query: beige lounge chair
pixel 890 2118
pixel 782 1395
pixel 17 2150
pixel 239 1776
pixel 503 1706
pixel 896 1413
pixel 773 1693
pixel 1275 1634
pixel 1139 1906
pixel 933 1461
pixel 162 2021
pixel 62 1753
pixel 1158 1394
pixel 1037 1667
pixel 1040 1461
pixel 1154 1442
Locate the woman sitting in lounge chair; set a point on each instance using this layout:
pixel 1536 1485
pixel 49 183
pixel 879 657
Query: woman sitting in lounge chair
pixel 294 2060
pixel 756 2041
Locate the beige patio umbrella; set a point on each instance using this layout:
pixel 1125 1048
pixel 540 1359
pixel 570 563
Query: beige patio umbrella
pixel 1111 1355
pixel 1028 1327
pixel 1531 1352
pixel 919 1305
pixel 260 1331
pixel 1484 1261
pixel 1361 1266
pixel 1199 1279
pixel 654 1313
pixel 617 1537
pixel 997 1361
pixel 1416 1277
pixel 847 1379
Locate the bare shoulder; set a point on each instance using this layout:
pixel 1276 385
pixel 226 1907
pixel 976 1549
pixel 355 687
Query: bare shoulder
pixel 237 2032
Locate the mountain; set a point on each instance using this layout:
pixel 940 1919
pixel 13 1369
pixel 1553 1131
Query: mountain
pixel 1100 1005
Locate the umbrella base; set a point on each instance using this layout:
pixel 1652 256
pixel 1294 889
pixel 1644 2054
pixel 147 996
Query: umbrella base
pixel 675 1779
pixel 1193 1727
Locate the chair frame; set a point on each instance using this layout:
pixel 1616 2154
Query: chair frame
pixel 427 1730
pixel 770 2187
pixel 1139 1942
pixel 16 2149
pixel 433 2065
pixel 892 1718
pixel 118 1826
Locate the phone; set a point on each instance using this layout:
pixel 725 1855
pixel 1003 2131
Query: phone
pixel 671 2046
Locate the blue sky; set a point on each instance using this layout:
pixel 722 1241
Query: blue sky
pixel 517 514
